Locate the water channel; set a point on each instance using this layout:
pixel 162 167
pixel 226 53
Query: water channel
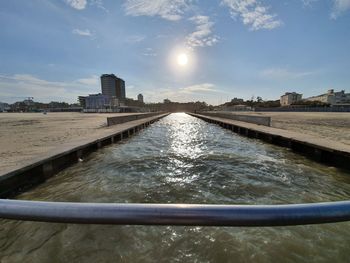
pixel 182 159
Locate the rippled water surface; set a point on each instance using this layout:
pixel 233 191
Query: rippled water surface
pixel 181 159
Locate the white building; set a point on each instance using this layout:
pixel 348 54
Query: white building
pixel 289 98
pixel 332 97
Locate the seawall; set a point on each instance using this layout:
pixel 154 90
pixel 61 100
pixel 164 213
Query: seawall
pixel 260 120
pixel 321 150
pixel 25 177
pixel 122 119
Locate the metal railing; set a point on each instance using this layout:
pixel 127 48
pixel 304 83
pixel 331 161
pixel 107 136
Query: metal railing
pixel 176 214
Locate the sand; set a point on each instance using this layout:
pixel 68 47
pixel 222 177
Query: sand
pixel 28 136
pixel 25 136
pixel 332 126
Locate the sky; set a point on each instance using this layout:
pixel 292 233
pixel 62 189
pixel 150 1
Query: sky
pixel 56 50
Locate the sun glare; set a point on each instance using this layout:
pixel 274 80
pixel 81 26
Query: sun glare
pixel 182 59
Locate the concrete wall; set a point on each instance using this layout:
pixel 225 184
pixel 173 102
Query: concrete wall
pixel 328 154
pixel 26 177
pixel 305 109
pixel 122 119
pixel 266 121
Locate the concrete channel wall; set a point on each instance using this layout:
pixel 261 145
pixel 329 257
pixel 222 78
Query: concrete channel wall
pixel 122 119
pixel 260 120
pixel 320 150
pixel 26 177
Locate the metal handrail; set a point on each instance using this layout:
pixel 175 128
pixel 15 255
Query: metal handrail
pixel 176 214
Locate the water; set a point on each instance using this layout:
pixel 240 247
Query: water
pixel 181 159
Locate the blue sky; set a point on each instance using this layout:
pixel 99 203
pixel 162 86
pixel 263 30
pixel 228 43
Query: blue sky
pixel 57 49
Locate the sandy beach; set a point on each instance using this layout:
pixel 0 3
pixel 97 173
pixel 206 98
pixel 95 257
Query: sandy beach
pixel 332 126
pixel 24 136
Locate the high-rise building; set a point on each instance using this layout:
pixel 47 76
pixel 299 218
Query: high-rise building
pixel 140 98
pixel 113 86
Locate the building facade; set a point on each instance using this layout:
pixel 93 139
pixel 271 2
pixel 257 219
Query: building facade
pixel 332 97
pixel 3 106
pixel 140 98
pixel 81 100
pixel 113 86
pixel 97 101
pixel 237 101
pixel 289 98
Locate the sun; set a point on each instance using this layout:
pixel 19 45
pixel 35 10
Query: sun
pixel 182 59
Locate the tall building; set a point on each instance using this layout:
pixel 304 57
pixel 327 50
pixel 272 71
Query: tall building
pixel 290 98
pixel 113 86
pixel 140 98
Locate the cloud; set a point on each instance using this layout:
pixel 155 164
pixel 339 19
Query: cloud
pixel 84 33
pixel 94 80
pixel 203 35
pixel 99 4
pixel 43 90
pixel 77 4
pixel 150 52
pixel 308 2
pixel 135 39
pixel 168 9
pixel 199 88
pixel 197 92
pixel 339 7
pixel 253 14
pixel 282 74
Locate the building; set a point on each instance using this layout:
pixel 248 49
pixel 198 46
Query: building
pixel 140 98
pixel 239 107
pixel 237 101
pixel 97 101
pixel 82 101
pixel 332 97
pixel 4 107
pixel 290 98
pixel 112 86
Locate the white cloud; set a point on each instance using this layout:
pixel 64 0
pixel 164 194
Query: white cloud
pixel 80 32
pixel 308 2
pixel 77 4
pixel 339 7
pixel 135 39
pixel 13 86
pixel 253 14
pixel 282 74
pixel 197 92
pixel 203 35
pixel 150 52
pixel 167 9
pixel 199 88
pixel 99 4
pixel 94 80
